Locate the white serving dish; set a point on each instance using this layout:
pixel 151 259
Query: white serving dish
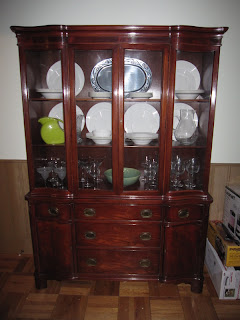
pixel 99 140
pixel 50 93
pixel 188 94
pixel 141 138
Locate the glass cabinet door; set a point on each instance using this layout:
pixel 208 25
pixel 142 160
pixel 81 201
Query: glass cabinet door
pixel 193 83
pixel 46 118
pixel 93 118
pixel 143 83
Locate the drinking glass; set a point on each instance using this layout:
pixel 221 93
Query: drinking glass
pixel 61 172
pixel 192 167
pixel 44 172
pixel 177 168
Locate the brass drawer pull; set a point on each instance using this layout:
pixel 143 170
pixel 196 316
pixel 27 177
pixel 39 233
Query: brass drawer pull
pixel 53 211
pixel 145 263
pixel 146 213
pixel 183 213
pixel 90 235
pixel 89 212
pixel 91 262
pixel 145 236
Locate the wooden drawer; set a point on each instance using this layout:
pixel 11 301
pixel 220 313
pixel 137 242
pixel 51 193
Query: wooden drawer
pixel 185 213
pixel 114 235
pixel 53 211
pixel 118 262
pixel 117 212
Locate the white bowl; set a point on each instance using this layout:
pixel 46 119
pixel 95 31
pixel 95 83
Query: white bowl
pixel 188 94
pixel 50 94
pixel 101 133
pixel 142 138
pixel 99 140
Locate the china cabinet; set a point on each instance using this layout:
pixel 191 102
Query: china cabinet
pixel 119 124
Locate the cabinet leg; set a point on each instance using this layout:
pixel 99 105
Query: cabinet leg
pixel 197 285
pixel 40 282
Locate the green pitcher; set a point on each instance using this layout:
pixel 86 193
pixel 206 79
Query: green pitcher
pixel 51 132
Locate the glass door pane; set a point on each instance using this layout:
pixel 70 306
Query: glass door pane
pixel 93 100
pixel 142 107
pixel 193 82
pixel 45 101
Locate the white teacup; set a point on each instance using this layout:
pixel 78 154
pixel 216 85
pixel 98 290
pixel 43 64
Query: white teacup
pixel 103 133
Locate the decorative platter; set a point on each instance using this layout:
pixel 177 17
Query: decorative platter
pixel 137 76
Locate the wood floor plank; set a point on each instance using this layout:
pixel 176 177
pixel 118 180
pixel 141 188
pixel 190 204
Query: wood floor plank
pixel 157 289
pixel 134 308
pixel 166 308
pixel 102 308
pixel 198 307
pixel 134 289
pixel 227 309
pixel 37 306
pixel 106 288
pixel 70 307
pixel 19 283
pixel 79 288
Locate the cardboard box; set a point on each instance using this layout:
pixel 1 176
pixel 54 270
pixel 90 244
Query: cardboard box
pixel 226 280
pixel 227 249
pixel 231 214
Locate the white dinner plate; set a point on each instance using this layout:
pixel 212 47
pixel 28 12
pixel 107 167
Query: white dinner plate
pixel 141 117
pixel 54 77
pixel 187 76
pixel 176 116
pixel 99 117
pixel 57 112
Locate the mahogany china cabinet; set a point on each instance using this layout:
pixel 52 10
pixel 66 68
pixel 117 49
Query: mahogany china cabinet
pixel 119 123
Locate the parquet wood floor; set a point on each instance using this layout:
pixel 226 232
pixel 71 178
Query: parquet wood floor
pixel 104 300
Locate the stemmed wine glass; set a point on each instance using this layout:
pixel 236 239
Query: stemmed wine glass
pixel 96 163
pixel 81 162
pixel 61 172
pixel 192 167
pixel 44 172
pixel 177 168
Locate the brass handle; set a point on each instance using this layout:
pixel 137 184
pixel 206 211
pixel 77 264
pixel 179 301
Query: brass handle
pixel 89 212
pixel 90 235
pixel 145 263
pixel 53 211
pixel 145 236
pixel 91 262
pixel 183 213
pixel 146 213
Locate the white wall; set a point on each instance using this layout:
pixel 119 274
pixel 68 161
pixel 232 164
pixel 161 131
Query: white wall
pixel 211 13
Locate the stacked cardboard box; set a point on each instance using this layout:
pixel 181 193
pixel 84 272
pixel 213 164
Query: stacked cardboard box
pixel 222 255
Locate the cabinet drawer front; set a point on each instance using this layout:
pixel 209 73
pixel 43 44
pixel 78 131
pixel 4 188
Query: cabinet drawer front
pixel 117 212
pixel 53 210
pixel 118 262
pixel 185 213
pixel 124 235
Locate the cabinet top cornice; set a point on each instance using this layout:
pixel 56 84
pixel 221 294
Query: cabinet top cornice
pixel 120 28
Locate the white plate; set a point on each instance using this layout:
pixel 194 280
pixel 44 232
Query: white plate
pixel 144 95
pixel 99 140
pixel 187 76
pixel 100 95
pixel 54 77
pixel 176 116
pixel 99 117
pixel 141 117
pixel 57 112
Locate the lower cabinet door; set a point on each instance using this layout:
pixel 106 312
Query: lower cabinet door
pixel 182 254
pixel 54 247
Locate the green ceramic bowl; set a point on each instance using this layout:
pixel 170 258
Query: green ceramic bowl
pixel 130 176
